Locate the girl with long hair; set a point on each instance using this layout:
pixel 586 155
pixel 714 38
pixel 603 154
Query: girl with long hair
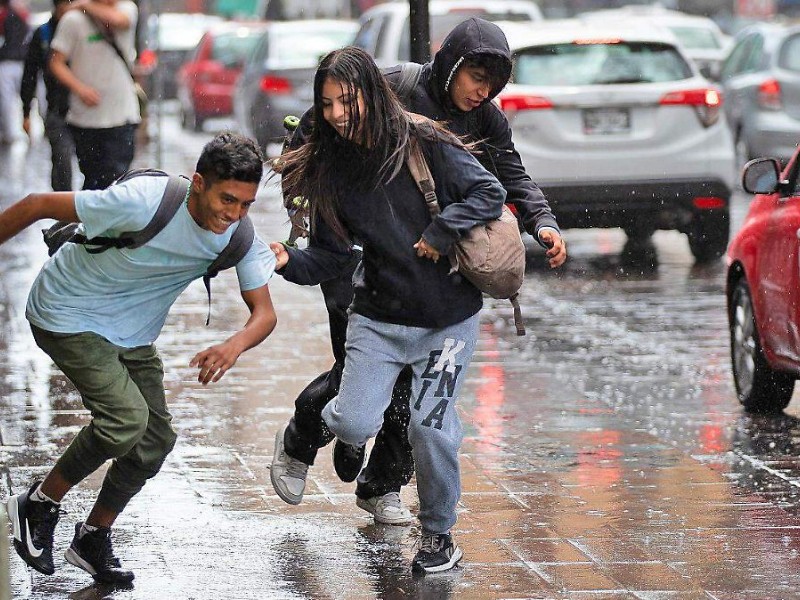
pixel 408 308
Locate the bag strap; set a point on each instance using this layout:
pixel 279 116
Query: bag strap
pixel 409 77
pixel 239 245
pixel 422 177
pixel 171 200
pixel 174 195
pixel 108 36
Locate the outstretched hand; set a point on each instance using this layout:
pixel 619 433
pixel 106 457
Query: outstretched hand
pixel 556 248
pixel 214 362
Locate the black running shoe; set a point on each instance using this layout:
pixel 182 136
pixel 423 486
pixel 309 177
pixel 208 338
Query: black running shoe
pixel 32 524
pixel 94 554
pixel 347 460
pixel 437 553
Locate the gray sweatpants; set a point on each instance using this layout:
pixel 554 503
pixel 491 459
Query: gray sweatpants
pixel 376 353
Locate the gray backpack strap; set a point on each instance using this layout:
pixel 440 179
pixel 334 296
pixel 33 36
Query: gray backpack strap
pixel 239 245
pixel 409 77
pixel 174 196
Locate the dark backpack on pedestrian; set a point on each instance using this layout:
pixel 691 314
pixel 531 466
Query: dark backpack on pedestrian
pixel 174 195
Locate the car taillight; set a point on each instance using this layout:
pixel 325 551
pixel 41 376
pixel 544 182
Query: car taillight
pixel 706 102
pixel 708 202
pixel 769 95
pixel 148 59
pixel 516 102
pixel 275 85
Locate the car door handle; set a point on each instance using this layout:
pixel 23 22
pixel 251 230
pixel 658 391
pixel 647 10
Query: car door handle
pixel 797 233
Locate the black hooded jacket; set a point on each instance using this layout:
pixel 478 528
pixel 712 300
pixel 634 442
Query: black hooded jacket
pixel 486 124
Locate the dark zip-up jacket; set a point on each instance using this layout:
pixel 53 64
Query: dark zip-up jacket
pixel 486 124
pixel 392 284
pixel 15 36
pixel 36 61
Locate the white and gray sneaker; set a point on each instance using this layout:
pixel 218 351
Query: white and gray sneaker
pixel 387 509
pixel 288 475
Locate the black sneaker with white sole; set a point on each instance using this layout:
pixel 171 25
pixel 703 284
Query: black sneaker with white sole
pixel 94 554
pixel 32 524
pixel 437 553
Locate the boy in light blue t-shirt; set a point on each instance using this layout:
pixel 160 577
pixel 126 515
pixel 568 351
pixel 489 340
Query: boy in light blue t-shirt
pixel 98 315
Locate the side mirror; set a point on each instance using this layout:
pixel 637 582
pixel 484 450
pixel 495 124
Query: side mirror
pixel 761 176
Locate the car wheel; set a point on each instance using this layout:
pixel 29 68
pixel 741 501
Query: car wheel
pixel 708 235
pixel 760 388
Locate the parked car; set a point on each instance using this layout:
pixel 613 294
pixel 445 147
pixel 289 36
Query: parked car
pixel 167 41
pixel 761 82
pixel 620 130
pixel 278 74
pixel 700 37
pixel 206 81
pixel 384 29
pixel 763 287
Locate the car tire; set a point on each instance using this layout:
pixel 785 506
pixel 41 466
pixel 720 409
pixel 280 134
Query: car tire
pixel 708 235
pixel 190 120
pixel 759 387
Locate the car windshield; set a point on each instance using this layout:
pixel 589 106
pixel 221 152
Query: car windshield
pixel 599 63
pixel 178 31
pixel 298 49
pixel 695 38
pixel 234 46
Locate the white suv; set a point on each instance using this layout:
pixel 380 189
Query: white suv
pixel 384 29
pixel 619 129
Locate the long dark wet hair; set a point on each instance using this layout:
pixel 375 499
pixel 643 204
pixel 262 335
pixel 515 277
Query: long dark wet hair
pixel 324 168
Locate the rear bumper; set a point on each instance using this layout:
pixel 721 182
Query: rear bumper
pixel 661 204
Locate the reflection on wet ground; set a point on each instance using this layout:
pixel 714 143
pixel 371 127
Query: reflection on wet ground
pixel 605 455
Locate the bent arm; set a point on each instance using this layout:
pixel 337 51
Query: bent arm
pixel 52 205
pixel 523 194
pixel 476 197
pixel 217 360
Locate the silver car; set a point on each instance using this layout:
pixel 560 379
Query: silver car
pixel 761 82
pixel 619 129
pixel 278 75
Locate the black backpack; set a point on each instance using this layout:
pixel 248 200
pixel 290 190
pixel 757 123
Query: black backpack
pixel 174 195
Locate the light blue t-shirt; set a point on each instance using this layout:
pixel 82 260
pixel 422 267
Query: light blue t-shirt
pixel 125 294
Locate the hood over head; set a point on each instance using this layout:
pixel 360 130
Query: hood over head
pixel 472 37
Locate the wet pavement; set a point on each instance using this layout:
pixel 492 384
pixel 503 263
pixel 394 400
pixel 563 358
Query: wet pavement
pixel 605 454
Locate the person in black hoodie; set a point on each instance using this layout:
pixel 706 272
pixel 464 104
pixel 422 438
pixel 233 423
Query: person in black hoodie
pixel 57 94
pixel 409 309
pixel 456 87
pixel 13 46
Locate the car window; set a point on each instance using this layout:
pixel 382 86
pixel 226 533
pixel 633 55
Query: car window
pixel 298 49
pixel 753 61
pixel 234 46
pixel 382 36
pixel 789 57
pixel 599 63
pixel 696 38
pixel 367 36
pixel 259 54
pixel 734 64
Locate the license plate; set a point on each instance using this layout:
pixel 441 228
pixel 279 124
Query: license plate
pixel 605 121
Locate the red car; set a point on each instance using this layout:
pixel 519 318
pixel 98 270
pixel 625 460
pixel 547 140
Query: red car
pixel 206 80
pixel 763 287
